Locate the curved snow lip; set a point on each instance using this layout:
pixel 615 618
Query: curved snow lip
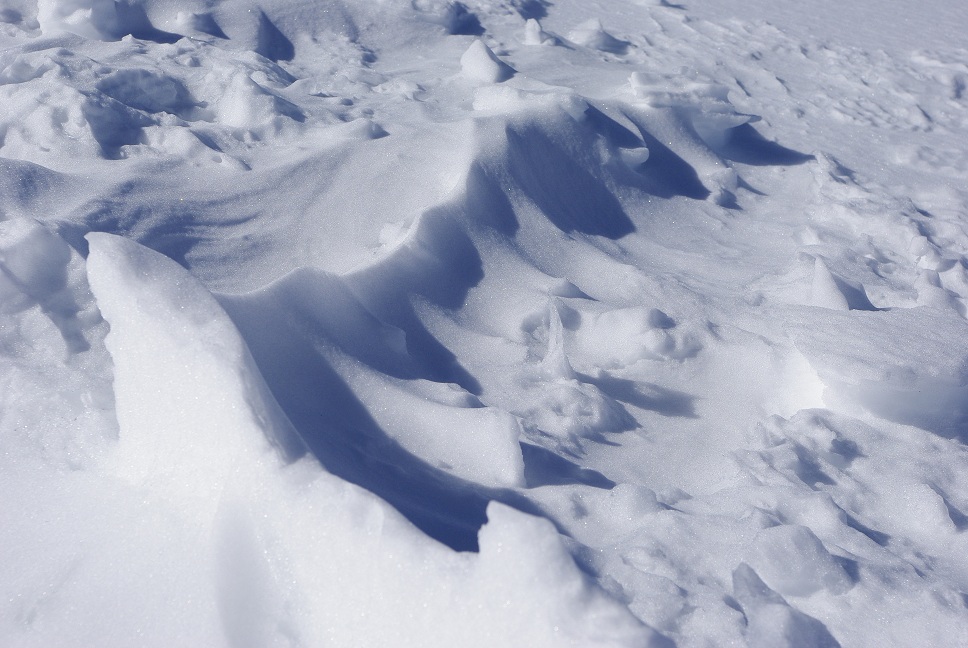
pixel 196 421
pixel 174 346
pixel 442 424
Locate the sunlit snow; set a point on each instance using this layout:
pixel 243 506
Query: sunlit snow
pixel 515 323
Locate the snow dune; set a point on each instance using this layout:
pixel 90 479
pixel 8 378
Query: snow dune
pixel 479 324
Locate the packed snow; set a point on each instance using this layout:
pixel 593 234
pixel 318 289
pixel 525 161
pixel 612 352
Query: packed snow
pixel 483 323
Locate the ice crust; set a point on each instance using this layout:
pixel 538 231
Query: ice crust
pixel 479 324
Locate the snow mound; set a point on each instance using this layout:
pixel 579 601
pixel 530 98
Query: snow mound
pixel 479 63
pixel 592 34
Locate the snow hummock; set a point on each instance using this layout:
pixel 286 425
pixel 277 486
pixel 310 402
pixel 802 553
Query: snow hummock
pixel 522 323
pixel 592 34
pixel 479 63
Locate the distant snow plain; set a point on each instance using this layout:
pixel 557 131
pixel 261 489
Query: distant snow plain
pixel 510 323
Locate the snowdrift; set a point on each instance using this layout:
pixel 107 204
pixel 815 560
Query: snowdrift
pixel 487 324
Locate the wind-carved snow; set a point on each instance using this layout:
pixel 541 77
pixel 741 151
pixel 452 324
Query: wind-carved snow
pixel 200 433
pixel 496 324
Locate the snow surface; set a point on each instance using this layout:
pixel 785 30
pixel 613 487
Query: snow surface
pixel 509 323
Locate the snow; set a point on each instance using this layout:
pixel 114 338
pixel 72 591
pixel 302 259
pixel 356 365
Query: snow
pixel 474 323
pixel 479 63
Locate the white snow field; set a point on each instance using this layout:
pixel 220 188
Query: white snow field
pixel 373 323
